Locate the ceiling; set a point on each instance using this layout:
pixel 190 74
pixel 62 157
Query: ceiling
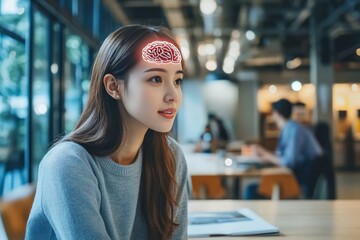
pixel 281 36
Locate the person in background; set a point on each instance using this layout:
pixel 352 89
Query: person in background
pixel 207 141
pixel 297 147
pixel 213 137
pixel 218 130
pixel 300 114
pixel 119 175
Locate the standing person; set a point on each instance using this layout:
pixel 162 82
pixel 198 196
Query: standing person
pixel 118 175
pixel 297 147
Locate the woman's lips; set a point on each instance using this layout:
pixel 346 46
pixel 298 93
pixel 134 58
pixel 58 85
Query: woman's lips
pixel 168 113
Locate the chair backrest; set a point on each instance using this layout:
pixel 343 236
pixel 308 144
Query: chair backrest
pixel 321 177
pixel 279 184
pixel 15 208
pixel 210 186
pixel 321 188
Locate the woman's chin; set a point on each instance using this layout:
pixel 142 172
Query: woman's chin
pixel 162 129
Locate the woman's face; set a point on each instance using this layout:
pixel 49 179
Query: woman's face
pixel 153 94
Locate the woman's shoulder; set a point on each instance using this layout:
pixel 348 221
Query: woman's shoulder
pixel 177 151
pixel 174 145
pixel 66 154
pixel 68 148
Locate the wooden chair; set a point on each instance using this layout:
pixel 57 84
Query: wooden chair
pixel 15 208
pixel 207 187
pixel 279 184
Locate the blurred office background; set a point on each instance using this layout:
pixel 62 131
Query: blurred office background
pixel 241 55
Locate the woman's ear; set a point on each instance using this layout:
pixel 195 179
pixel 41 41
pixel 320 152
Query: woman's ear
pixel 112 86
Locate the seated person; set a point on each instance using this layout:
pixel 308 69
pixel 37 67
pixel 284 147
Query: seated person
pixel 296 149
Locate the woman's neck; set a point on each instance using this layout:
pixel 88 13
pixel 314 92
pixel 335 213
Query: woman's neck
pixel 128 150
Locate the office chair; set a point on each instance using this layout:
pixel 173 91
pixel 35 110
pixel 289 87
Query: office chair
pixel 15 208
pixel 207 186
pixel 279 184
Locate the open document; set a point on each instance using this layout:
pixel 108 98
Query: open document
pixel 231 223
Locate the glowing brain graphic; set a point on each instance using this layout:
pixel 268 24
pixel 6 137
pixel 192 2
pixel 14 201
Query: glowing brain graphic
pixel 161 52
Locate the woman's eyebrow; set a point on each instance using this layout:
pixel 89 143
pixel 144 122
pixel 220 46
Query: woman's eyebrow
pixel 156 70
pixel 163 70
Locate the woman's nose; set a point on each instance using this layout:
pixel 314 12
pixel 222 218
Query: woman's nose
pixel 172 94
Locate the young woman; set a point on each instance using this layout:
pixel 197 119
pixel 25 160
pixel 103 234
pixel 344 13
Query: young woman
pixel 118 175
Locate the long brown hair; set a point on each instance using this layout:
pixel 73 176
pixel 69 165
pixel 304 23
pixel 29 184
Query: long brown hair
pixel 100 129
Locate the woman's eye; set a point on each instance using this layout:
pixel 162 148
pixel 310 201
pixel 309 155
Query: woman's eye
pixel 178 81
pixel 155 79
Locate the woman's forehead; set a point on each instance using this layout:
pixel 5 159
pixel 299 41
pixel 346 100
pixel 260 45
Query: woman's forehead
pixel 160 51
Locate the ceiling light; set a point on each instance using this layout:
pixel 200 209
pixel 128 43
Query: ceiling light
pixel 228 162
pixel 211 65
pixel 207 7
pixel 272 89
pixel 296 86
pixel 54 68
pixel 40 109
pixel 210 49
pixel 250 35
pixel 358 52
pixel 228 68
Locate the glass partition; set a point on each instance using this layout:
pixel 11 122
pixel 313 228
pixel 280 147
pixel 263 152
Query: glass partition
pixel 41 90
pixel 13 101
pixel 76 67
pixel 13 16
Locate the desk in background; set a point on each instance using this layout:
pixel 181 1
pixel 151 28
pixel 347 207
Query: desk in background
pixel 206 164
pixel 297 219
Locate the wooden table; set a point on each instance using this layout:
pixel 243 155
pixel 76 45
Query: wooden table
pixel 205 164
pixel 239 176
pixel 296 219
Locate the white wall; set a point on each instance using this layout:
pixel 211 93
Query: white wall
pixel 221 98
pixel 234 103
pixel 192 115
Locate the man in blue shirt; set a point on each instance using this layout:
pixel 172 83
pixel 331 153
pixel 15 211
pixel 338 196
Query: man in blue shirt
pixel 297 147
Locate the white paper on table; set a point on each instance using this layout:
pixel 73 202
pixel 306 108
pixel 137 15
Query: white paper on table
pixel 228 223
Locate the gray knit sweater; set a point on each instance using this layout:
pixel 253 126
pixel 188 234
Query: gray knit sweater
pixel 80 196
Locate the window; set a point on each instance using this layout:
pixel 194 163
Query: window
pixel 13 16
pixel 41 90
pixel 13 99
pixel 76 78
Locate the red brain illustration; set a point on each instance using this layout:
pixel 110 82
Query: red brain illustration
pixel 161 52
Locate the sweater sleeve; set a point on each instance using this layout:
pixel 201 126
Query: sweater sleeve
pixel 181 214
pixel 70 196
